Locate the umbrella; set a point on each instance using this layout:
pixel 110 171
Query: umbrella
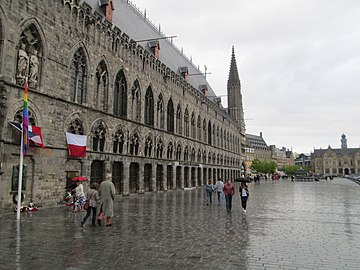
pixel 80 178
pixel 243 179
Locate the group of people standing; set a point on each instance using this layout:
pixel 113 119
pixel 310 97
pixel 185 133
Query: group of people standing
pixel 228 190
pixel 99 201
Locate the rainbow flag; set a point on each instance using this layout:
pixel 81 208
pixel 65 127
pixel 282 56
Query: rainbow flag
pixel 25 132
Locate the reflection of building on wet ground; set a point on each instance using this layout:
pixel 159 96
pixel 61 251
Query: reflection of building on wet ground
pixel 146 119
pixel 288 225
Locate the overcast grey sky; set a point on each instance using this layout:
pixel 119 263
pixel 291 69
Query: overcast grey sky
pixel 298 61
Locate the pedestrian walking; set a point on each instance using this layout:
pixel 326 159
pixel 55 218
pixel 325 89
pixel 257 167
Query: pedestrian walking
pixel 229 191
pixel 92 198
pixel 244 195
pixel 79 197
pixel 107 196
pixel 209 192
pixel 219 186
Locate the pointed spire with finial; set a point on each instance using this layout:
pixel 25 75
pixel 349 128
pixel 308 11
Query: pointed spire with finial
pixel 235 107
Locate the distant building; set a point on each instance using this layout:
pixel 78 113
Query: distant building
pixel 282 157
pixel 343 161
pixel 258 144
pixel 303 160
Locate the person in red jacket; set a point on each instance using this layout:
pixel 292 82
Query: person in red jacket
pixel 228 192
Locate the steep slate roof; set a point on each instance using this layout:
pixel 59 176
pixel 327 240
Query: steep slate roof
pixel 256 141
pixel 338 152
pixel 131 21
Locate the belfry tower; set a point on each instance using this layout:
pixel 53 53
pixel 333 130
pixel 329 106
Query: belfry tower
pixel 235 107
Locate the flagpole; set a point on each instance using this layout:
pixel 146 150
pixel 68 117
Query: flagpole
pixel 20 177
pixel 23 149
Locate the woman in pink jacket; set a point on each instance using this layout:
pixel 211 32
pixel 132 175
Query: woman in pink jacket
pixel 229 191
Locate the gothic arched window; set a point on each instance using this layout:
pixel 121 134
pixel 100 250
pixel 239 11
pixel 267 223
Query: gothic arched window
pixel 148 147
pixel 193 154
pixel 193 127
pixel 178 120
pixel 186 153
pixel 136 101
pixel 178 152
pixel 78 77
pixel 204 130
pixel 170 151
pixel 170 116
pixel 101 91
pixel 159 149
pixel 118 142
pixel 199 128
pixel 134 145
pixel 186 122
pixel 160 112
pixel 76 127
pixel 120 95
pixel 98 138
pixel 149 107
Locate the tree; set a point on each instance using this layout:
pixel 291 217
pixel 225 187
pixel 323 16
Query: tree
pixel 263 166
pixel 290 169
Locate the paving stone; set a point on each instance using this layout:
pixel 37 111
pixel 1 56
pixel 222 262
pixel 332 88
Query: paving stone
pixel 288 225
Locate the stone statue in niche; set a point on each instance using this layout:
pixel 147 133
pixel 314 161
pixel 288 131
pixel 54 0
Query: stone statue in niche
pixel 22 65
pixel 34 69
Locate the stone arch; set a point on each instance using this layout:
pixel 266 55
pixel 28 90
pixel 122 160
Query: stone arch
pixel 78 50
pixel 99 133
pixel 135 96
pixel 119 139
pixel 149 106
pixel 18 105
pixel 102 85
pixel 31 53
pixel 74 49
pixel 73 118
pixel 120 94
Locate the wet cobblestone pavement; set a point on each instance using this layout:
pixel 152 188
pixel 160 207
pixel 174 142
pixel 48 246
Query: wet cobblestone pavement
pixel 288 225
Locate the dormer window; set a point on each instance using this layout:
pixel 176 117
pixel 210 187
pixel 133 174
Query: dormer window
pixel 107 7
pixel 218 100
pixel 184 72
pixel 155 48
pixel 204 89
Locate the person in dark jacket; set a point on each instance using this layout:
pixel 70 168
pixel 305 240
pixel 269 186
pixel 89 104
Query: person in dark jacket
pixel 244 195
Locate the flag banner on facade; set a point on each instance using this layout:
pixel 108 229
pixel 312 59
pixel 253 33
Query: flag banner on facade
pixel 76 144
pixel 25 120
pixel 35 133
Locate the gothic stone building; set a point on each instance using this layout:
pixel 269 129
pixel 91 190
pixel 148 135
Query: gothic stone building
pixel 336 162
pixel 102 69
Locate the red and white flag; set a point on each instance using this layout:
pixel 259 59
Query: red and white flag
pixel 35 134
pixel 76 144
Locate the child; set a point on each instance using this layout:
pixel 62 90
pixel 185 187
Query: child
pixel 92 196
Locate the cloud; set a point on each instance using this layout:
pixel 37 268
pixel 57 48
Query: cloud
pixel 298 61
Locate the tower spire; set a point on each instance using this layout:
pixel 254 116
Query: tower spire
pixel 235 107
